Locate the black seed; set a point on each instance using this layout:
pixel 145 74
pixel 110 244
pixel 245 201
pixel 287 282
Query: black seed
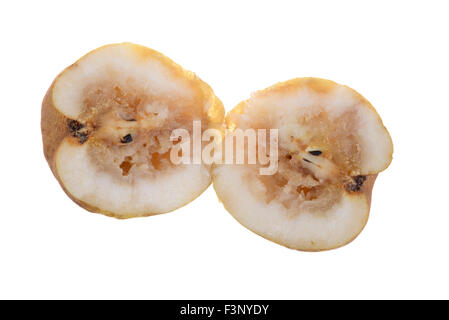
pixel 127 139
pixel 289 156
pixel 306 160
pixel 315 152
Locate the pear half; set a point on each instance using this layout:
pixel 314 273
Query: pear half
pixel 331 146
pixel 106 125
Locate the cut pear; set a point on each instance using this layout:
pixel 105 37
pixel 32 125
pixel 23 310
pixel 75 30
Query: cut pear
pixel 106 126
pixel 331 146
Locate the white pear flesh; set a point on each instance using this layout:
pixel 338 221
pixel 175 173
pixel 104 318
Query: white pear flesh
pixel 125 198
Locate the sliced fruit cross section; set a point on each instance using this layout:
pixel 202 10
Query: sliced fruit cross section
pixel 106 126
pixel 331 146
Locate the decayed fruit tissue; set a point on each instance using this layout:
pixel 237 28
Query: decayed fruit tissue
pixel 106 124
pixel 331 146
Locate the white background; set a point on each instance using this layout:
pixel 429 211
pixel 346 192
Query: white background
pixel 395 53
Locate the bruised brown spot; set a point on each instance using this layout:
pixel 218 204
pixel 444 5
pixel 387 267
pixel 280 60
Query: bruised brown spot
pixel 177 140
pixel 304 190
pixel 157 159
pixel 126 165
